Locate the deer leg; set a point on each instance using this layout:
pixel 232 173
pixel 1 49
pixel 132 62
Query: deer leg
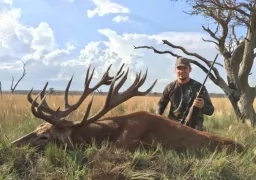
pixel 128 141
pixel 149 141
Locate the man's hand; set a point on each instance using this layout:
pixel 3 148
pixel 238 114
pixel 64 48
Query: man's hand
pixel 199 102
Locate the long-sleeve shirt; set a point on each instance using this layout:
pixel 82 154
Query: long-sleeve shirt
pixel 179 96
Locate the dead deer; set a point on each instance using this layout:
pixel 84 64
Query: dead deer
pixel 128 131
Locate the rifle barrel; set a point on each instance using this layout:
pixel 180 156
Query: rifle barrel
pixel 207 74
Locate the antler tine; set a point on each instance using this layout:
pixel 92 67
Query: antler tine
pixel 66 93
pixel 87 90
pixel 118 75
pixel 109 95
pixel 87 74
pixel 104 81
pixel 88 81
pixel 36 110
pixel 140 83
pixel 86 115
pixel 42 94
pixel 141 93
pixel 135 82
pixel 114 98
pixel 44 108
pixel 113 90
pixel 70 108
pixel 55 118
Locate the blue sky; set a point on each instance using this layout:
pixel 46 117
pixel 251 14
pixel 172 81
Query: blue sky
pixel 62 37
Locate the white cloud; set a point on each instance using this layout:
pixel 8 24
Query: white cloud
pixel 22 40
pixel 9 2
pixel 120 18
pixel 105 7
pixel 36 45
pixel 43 38
pixel 47 62
pixel 119 48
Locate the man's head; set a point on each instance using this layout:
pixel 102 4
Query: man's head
pixel 182 69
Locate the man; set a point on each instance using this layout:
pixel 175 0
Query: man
pixel 179 92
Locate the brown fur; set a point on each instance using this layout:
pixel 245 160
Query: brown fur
pixel 132 131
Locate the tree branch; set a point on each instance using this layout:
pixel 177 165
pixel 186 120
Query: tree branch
pixel 167 52
pixel 238 8
pixel 156 51
pixel 207 40
pixel 223 12
pixel 194 55
pixel 211 76
pixel 234 6
pixel 237 55
pixel 212 34
pixel 22 76
pixel 234 34
pixel 248 57
pixel 243 20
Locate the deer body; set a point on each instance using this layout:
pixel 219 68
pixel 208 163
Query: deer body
pixel 132 131
pixel 128 131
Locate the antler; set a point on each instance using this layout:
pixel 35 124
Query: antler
pixel 54 118
pixel 115 98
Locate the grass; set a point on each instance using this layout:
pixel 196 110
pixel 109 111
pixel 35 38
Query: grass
pixel 107 162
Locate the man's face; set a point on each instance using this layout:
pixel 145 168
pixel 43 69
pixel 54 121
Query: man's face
pixel 182 72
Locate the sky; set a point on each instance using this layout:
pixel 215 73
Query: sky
pixel 61 38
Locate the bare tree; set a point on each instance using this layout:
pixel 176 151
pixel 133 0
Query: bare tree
pixel 100 92
pixel 238 52
pixel 22 76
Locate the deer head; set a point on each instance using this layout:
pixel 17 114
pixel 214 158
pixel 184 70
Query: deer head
pixel 57 128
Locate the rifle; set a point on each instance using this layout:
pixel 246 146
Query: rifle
pixel 191 111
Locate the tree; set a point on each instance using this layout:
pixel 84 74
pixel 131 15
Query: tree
pixel 100 92
pixel 51 91
pixel 22 76
pixel 238 53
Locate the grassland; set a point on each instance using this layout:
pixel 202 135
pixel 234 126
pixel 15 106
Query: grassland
pixel 106 162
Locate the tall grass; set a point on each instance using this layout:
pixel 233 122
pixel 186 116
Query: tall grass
pixel 106 162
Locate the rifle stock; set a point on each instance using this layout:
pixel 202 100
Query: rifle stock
pixel 191 110
pixel 191 115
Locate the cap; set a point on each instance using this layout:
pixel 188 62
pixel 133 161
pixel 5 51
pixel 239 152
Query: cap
pixel 181 61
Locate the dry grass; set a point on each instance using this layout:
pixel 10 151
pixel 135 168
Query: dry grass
pixel 16 107
pixel 18 104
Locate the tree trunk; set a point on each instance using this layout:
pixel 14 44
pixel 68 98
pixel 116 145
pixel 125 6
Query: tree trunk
pixel 245 105
pixel 234 103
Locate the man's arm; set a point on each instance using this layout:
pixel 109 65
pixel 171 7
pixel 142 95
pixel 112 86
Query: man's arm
pixel 208 108
pixel 164 100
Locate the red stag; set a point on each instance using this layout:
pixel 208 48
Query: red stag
pixel 128 131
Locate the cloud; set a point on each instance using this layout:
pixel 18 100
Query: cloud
pixel 17 39
pixel 48 62
pixel 119 19
pixel 58 66
pixel 8 2
pixel 36 45
pixel 119 49
pixel 56 63
pixel 105 7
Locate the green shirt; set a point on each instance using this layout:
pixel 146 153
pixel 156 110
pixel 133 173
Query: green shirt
pixel 179 96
